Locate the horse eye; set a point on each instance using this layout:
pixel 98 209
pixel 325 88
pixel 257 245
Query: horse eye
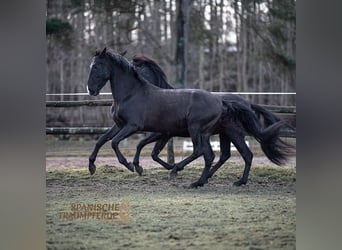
pixel 96 67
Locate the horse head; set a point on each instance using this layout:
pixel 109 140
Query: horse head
pixel 99 72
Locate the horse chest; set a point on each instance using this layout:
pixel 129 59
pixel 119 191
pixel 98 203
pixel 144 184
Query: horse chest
pixel 123 114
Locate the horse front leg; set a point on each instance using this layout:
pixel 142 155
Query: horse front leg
pixel 100 142
pixel 148 139
pixel 125 132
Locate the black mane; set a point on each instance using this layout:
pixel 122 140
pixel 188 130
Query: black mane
pixel 121 61
pixel 142 63
pixel 126 66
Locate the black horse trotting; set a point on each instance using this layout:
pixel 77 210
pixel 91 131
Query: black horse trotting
pixel 193 113
pixel 141 106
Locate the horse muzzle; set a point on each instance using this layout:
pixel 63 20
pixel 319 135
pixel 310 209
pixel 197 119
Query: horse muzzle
pixel 93 92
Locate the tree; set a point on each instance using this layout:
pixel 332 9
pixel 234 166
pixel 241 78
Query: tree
pixel 181 58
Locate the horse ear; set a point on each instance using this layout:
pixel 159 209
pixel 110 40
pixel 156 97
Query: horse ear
pixel 123 53
pixel 103 53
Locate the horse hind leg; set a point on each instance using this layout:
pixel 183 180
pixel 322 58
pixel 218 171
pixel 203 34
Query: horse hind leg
pixel 209 156
pixel 149 139
pixel 247 155
pixel 158 147
pixel 225 154
pixel 197 152
pixel 180 165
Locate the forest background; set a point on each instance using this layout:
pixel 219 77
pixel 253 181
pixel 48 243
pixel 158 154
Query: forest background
pixel 216 45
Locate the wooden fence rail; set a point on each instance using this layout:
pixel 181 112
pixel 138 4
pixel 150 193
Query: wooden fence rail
pixel 102 130
pixel 286 110
pixel 67 104
pixel 76 130
pixel 108 102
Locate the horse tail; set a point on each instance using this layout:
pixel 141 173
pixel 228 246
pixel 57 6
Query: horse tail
pixel 268 117
pixel 274 148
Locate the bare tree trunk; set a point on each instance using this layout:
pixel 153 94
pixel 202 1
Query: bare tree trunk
pixel 61 76
pixel 201 66
pixel 238 45
pixel 220 49
pixel 182 24
pixel 260 81
pixel 244 53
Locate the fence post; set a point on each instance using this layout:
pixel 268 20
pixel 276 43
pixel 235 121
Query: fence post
pixel 170 152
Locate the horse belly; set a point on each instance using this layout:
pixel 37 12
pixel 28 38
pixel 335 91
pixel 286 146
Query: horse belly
pixel 166 125
pixel 170 119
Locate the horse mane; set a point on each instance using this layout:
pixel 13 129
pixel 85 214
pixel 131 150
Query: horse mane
pixel 121 61
pixel 142 61
pixel 125 65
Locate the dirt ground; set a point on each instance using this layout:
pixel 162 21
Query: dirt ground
pixel 159 213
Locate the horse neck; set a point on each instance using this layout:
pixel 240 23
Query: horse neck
pixel 123 84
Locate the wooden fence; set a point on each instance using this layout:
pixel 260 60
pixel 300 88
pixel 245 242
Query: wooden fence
pixel 287 110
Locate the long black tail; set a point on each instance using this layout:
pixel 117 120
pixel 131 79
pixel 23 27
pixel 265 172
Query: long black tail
pixel 274 148
pixel 268 117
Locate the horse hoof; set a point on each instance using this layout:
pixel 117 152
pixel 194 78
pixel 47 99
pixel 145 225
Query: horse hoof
pixel 92 168
pixel 139 169
pixel 195 185
pixel 131 166
pixel 173 175
pixel 239 183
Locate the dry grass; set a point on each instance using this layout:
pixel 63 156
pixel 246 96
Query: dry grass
pixel 166 215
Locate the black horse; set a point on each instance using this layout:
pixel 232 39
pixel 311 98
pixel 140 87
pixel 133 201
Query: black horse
pixel 155 76
pixel 141 106
pixel 235 130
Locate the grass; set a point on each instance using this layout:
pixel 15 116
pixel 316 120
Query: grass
pixel 164 214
